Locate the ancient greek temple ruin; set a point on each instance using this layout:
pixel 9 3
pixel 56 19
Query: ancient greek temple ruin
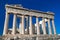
pixel 32 31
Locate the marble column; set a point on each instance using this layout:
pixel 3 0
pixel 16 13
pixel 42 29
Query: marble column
pixel 30 21
pixel 53 25
pixel 43 26
pixel 20 26
pixel 23 30
pixel 49 27
pixel 38 29
pixel 27 25
pixel 37 38
pixel 14 24
pixel 6 24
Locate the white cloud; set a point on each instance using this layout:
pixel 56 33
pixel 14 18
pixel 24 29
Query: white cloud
pixel 35 24
pixel 46 20
pixel 40 22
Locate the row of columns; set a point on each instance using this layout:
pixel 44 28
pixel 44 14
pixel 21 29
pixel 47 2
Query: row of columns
pixel 31 30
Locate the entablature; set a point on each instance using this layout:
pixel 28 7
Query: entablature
pixel 24 11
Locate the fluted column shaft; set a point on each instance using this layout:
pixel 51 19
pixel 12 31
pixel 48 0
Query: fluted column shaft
pixel 23 30
pixel 27 25
pixel 20 30
pixel 14 24
pixel 38 29
pixel 49 27
pixel 20 25
pixel 31 25
pixel 44 26
pixel 53 26
pixel 6 24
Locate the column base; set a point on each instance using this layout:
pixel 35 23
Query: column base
pixel 50 35
pixel 54 35
pixel 30 34
pixel 45 34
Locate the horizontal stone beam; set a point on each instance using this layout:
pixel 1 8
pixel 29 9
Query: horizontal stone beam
pixel 21 16
pixel 22 11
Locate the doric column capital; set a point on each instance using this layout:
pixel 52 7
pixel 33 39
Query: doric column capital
pixel 37 17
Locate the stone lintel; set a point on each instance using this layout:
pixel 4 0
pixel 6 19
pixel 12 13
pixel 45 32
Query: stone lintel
pixel 24 11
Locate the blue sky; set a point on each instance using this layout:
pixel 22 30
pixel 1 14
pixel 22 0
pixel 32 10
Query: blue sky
pixel 42 5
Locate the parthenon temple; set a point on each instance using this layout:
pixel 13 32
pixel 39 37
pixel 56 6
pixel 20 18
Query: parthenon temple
pixel 42 29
